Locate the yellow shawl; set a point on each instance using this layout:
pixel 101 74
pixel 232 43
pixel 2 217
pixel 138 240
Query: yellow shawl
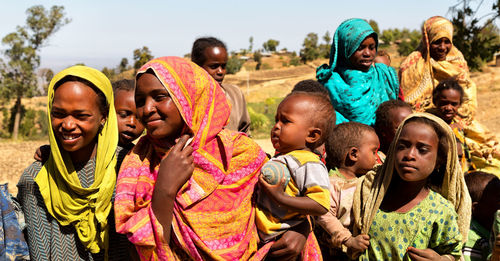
pixel 66 200
pixel 372 187
pixel 419 73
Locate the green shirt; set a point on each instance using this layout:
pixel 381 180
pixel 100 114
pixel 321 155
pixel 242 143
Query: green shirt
pixel 477 246
pixel 432 223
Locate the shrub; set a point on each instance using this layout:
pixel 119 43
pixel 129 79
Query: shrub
pixel 233 65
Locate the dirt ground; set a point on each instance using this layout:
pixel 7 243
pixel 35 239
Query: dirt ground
pixel 16 156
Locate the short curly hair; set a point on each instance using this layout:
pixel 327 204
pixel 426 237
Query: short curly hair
pixel 343 137
pixel 322 113
pixel 382 115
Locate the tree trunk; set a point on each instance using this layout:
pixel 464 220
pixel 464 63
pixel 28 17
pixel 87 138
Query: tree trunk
pixel 17 118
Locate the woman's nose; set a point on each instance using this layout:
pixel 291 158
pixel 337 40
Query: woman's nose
pixel 149 106
pixel 68 123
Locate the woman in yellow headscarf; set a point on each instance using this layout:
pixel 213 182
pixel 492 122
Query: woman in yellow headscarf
pixel 435 60
pixel 67 200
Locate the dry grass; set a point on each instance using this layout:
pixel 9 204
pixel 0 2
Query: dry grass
pixel 16 156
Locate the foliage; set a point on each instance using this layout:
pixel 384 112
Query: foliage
pixel 109 72
pixel 257 57
pixel 410 42
pixel 233 65
pixel 258 121
pixel 4 130
pixel 141 56
pixel 310 49
pixel 477 40
pixel 123 65
pixel 294 61
pixel 18 77
pixel 46 75
pixel 324 48
pixel 250 47
pixel 374 26
pixel 270 45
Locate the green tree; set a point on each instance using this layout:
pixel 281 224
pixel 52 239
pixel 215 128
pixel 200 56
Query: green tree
pixel 387 36
pixel 18 77
pixel 123 65
pixel 109 72
pixel 141 56
pixel 324 48
pixel 271 45
pixel 476 37
pixel 310 50
pixel 374 25
pixel 251 44
pixel 46 75
pixel 410 42
pixel 233 65
pixel 257 56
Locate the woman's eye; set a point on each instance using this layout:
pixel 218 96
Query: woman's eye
pixel 56 114
pixel 83 116
pixel 160 97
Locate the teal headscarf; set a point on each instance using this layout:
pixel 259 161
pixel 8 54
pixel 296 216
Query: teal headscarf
pixel 355 94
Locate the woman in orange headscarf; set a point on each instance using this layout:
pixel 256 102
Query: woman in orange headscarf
pixel 188 199
pixel 435 60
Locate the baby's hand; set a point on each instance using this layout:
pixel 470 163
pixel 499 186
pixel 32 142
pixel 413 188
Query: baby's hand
pixel 176 168
pixel 357 245
pixel 273 191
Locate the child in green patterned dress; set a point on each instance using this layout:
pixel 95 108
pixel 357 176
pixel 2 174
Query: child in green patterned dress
pixel 409 206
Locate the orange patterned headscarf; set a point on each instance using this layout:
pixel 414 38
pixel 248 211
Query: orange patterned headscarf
pixel 419 73
pixel 213 215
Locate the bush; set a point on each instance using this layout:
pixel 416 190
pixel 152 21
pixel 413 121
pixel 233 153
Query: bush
pixel 233 65
pixel 259 121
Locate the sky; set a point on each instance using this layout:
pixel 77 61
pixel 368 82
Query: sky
pixel 102 32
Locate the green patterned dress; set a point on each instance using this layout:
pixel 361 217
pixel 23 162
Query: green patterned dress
pixel 430 224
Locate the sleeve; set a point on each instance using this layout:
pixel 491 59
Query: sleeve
pixel 329 221
pixel 446 238
pixel 312 181
pixel 33 207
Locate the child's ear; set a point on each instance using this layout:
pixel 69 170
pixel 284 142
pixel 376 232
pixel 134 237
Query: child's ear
pixel 314 135
pixel 353 154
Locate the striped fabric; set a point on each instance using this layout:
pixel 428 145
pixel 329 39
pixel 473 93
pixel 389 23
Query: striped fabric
pixel 47 239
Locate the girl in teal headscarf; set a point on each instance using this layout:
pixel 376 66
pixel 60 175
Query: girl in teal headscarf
pixel 356 85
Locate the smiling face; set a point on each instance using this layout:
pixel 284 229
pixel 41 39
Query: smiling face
pixel 416 152
pixel 363 57
pixel 440 48
pixel 448 102
pixel 129 126
pixel 156 109
pixel 76 119
pixel 367 152
pixel 215 62
pixel 292 125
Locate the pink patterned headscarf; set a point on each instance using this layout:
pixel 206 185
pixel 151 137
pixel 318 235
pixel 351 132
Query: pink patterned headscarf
pixel 213 212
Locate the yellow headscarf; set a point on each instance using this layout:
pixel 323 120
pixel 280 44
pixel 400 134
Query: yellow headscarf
pixel 66 200
pixel 419 73
pixel 372 187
